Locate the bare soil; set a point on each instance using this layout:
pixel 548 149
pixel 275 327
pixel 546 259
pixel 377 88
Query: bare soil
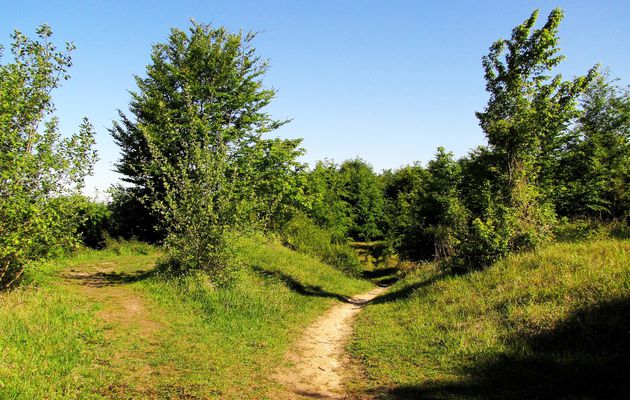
pixel 317 366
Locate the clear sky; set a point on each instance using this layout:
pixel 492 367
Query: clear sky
pixel 388 81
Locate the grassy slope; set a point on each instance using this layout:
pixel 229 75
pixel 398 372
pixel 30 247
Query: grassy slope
pixel 550 324
pixel 51 344
pixel 198 342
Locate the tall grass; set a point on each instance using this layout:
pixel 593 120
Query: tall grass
pixel 547 324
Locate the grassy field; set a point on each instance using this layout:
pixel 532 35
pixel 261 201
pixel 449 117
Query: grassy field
pixel 103 325
pixel 550 324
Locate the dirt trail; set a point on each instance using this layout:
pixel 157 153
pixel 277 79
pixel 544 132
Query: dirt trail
pixel 121 305
pixel 317 361
pixel 130 324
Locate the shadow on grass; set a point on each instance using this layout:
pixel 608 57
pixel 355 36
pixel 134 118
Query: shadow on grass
pixel 296 286
pixel 102 279
pixel 381 276
pixel 406 291
pixel 587 356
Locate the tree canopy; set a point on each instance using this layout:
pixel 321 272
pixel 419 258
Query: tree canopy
pixel 39 169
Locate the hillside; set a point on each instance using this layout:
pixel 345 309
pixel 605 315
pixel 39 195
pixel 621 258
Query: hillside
pixel 103 325
pixel 547 324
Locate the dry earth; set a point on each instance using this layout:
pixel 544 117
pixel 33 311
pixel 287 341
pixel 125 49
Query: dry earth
pixel 316 363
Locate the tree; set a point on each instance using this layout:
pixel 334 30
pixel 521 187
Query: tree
pixel 430 216
pixel 39 169
pixel 196 131
pixel 594 173
pixel 401 188
pixel 324 203
pixel 525 122
pixel 271 182
pixel 364 196
pixel 445 216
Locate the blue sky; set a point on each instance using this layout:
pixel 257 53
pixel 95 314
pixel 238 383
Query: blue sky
pixel 388 81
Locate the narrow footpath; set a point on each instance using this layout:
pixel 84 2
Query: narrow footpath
pixel 317 366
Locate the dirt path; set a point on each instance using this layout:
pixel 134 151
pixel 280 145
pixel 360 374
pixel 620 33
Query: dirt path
pixel 128 317
pixel 317 361
pixel 103 283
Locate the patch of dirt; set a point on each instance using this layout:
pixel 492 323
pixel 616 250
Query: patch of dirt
pixel 130 326
pixel 121 305
pixel 318 360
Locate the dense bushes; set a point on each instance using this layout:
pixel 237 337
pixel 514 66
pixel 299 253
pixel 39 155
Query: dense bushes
pixel 303 235
pixel 345 199
pixel 39 168
pixel 93 222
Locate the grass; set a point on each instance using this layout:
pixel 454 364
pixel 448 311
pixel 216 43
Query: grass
pixel 51 344
pixel 547 324
pixel 98 325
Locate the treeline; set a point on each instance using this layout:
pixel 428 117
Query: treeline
pixel 197 165
pixel 556 150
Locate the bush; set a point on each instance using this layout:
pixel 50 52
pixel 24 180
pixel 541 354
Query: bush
pixel 130 219
pixel 39 167
pixel 572 230
pixel 303 235
pixel 93 223
pixel 484 243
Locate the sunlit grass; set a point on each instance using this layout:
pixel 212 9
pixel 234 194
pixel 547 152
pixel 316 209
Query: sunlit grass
pixel 551 322
pixel 201 341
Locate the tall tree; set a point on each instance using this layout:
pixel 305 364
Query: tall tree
pixel 364 196
pixel 525 120
pixel 39 169
pixel 198 118
pixel 325 191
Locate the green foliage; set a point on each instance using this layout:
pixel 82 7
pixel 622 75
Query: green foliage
pixel 345 199
pixel 525 122
pixel 363 194
pixel 485 242
pixel 573 230
pixel 196 212
pixel 271 182
pixel 429 217
pixel 594 174
pixel 303 235
pixel 405 233
pixel 324 189
pixel 130 218
pixel 194 153
pixel 528 110
pixel 93 222
pixel 38 167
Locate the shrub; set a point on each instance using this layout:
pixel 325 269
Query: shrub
pixel 484 243
pixel 39 168
pixel 130 218
pixel 301 234
pixel 93 222
pixel 571 230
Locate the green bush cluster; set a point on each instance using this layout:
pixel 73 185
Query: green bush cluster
pixel 303 235
pixel 555 149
